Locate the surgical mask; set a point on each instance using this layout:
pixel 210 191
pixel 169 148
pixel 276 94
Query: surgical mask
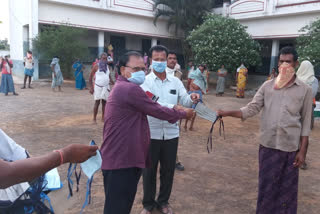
pixel 92 165
pixel 137 77
pixel 159 67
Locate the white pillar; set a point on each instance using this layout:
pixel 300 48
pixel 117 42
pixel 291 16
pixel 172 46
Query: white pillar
pixel 225 9
pixel 100 42
pixel 274 53
pixel 33 32
pixel 154 42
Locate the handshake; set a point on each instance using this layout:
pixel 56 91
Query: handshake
pixel 189 111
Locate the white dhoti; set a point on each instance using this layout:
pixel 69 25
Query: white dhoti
pixel 101 87
pixel 101 92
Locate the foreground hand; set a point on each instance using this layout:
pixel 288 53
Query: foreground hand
pixel 221 113
pixel 300 159
pixel 195 97
pixel 179 107
pixel 78 153
pixel 190 113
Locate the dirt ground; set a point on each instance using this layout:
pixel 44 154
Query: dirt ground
pixel 223 182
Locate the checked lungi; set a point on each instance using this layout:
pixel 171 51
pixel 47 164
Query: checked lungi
pixel 278 182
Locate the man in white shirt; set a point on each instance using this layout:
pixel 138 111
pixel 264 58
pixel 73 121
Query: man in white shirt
pixel 174 69
pixel 164 136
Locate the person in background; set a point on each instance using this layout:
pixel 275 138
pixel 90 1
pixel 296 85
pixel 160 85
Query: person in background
pixel 197 80
pixel 241 77
pixel 146 60
pixel 26 170
pixel 273 74
pixel 306 74
pixel 285 103
pixel 7 84
pixel 206 73
pixel 78 73
pixel 100 79
pixel 28 69
pixel 222 73
pixel 173 70
pixel 126 133
pixel 190 68
pixel 57 78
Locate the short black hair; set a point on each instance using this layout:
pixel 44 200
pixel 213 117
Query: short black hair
pixel 30 52
pixel 124 59
pixel 289 50
pixel 158 48
pixel 173 53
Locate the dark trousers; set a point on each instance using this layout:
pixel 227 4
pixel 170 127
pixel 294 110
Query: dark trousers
pixel 120 187
pixel 165 152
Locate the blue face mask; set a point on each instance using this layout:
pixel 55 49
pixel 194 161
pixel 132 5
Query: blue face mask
pixel 159 67
pixel 137 77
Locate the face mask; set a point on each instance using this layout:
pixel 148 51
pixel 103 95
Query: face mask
pixel 137 77
pixel 92 165
pixel 286 73
pixel 159 66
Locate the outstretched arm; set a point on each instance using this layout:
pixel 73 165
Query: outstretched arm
pixel 30 168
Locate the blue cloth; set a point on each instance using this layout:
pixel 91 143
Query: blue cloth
pixel 80 81
pixel 29 72
pixel 6 84
pixel 196 92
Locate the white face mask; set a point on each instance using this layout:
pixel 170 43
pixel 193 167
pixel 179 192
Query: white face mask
pixel 92 165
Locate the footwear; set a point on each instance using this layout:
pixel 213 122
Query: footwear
pixel 179 166
pixel 15 94
pixel 24 87
pixel 166 209
pixel 30 87
pixel 144 211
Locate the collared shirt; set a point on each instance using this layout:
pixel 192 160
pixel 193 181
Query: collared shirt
pixel 126 134
pixel 286 114
pixel 170 92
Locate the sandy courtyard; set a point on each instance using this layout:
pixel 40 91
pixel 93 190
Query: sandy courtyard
pixel 223 182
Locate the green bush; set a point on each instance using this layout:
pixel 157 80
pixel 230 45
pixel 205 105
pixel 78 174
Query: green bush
pixel 220 40
pixel 308 44
pixel 62 41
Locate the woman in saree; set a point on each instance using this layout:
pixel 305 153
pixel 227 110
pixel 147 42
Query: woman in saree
pixel 222 73
pixel 242 76
pixel 78 73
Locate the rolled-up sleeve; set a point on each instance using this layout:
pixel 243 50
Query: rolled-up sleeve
pixel 306 113
pixel 255 106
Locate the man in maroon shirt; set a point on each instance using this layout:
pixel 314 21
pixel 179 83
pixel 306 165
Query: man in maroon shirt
pixel 126 134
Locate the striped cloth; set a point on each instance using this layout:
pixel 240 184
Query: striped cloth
pixel 278 182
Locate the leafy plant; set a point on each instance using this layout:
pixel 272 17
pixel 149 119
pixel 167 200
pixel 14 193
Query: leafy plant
pixel 62 41
pixel 223 41
pixel 4 45
pixel 308 44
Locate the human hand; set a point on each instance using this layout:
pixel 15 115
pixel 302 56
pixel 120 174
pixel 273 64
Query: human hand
pixel 299 159
pixel 179 107
pixel 78 153
pixel 195 97
pixel 91 90
pixel 221 113
pixel 190 113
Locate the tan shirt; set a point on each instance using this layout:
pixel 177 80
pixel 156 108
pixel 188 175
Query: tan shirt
pixel 286 114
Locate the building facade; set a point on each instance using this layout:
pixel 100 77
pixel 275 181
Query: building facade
pixel 274 23
pixel 126 24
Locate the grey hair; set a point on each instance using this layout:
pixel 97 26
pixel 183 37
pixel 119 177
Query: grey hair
pixel 103 54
